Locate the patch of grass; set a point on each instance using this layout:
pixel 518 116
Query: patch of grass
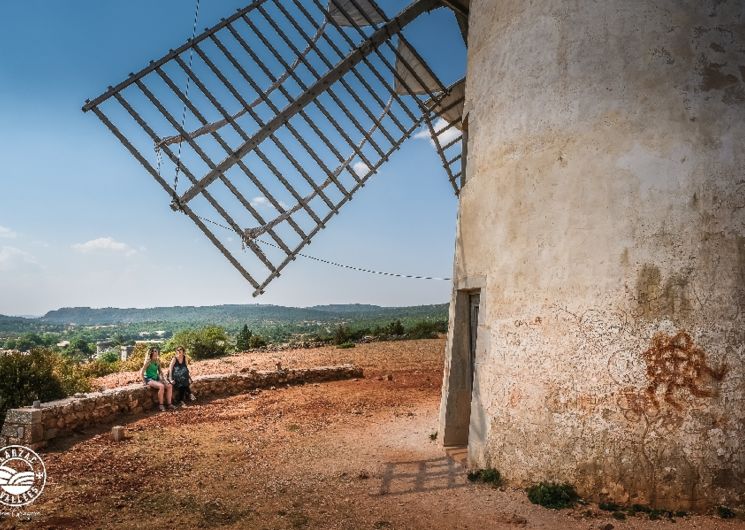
pixel 345 345
pixel 487 476
pixel 293 428
pixel 609 506
pixel 619 515
pixel 639 508
pixel 553 495
pixel 725 513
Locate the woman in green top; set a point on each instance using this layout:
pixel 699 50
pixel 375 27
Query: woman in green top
pixel 154 378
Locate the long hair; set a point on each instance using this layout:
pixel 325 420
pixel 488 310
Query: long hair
pixel 149 356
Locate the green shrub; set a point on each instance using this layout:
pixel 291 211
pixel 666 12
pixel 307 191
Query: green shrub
pixel 97 368
pixel 395 328
pixel 72 378
pixel 725 513
pixel 488 476
pixel 41 374
pixel 256 341
pixel 203 343
pixel 79 349
pixel 109 357
pixel 553 495
pixel 345 345
pixel 426 329
pixel 341 335
pixel 619 515
pixel 609 506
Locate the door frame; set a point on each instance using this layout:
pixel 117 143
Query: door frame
pixel 460 367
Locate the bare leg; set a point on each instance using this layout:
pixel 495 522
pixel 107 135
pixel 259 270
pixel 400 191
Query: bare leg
pixel 169 394
pixel 159 386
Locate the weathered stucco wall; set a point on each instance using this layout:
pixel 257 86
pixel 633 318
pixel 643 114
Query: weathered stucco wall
pixel 605 211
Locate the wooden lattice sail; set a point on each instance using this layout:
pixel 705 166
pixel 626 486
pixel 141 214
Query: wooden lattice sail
pixel 296 105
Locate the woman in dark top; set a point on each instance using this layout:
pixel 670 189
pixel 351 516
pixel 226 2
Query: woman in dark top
pixel 179 374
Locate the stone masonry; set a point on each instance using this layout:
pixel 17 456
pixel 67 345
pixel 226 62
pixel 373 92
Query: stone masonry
pixel 602 224
pixel 33 427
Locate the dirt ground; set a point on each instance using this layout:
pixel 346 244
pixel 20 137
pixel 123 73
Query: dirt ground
pixel 347 455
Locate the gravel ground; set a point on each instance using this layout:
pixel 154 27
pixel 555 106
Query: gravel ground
pixel 341 455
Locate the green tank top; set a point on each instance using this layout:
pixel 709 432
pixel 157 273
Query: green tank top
pixel 152 370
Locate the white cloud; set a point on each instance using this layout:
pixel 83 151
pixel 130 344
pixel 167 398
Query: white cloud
pixel 361 168
pixel 263 202
pixel 259 201
pixel 12 258
pixel 104 244
pixel 7 233
pixel 444 137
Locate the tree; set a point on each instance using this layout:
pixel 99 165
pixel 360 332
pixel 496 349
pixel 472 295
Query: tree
pixel 40 374
pixel 109 357
pixel 243 339
pixel 27 341
pixel 79 349
pixel 396 328
pixel 204 343
pixel 341 334
pixel 256 341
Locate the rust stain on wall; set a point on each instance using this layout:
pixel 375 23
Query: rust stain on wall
pixel 674 365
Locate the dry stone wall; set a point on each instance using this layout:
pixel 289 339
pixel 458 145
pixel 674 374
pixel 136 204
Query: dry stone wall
pixel 34 427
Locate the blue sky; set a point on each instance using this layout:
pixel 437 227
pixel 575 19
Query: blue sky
pixel 81 223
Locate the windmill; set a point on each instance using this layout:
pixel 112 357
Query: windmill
pixel 298 104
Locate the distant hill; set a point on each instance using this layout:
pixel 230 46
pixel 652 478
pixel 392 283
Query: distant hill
pixel 231 315
pixel 23 325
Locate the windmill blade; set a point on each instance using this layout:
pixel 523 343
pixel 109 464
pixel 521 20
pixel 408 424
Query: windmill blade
pixel 445 125
pixel 292 107
pixel 361 13
pixel 412 73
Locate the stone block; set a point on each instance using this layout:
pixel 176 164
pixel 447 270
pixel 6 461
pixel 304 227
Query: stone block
pixel 9 429
pixel 25 416
pixel 117 433
pixel 33 433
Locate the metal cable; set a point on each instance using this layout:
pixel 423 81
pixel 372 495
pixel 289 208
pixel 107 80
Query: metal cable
pixel 188 83
pixel 329 262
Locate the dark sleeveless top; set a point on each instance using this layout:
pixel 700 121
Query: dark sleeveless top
pixel 180 373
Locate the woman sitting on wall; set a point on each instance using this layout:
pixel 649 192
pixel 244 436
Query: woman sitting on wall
pixel 153 377
pixel 178 372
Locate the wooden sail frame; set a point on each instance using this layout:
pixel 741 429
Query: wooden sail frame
pixel 277 169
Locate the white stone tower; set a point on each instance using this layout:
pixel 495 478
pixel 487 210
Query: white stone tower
pixel 602 226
